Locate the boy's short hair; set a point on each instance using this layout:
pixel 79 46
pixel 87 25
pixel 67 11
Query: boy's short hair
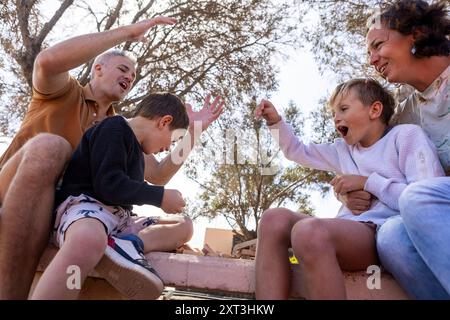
pixel 161 104
pixel 368 91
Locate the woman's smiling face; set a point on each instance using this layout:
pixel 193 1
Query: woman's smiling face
pixel 390 54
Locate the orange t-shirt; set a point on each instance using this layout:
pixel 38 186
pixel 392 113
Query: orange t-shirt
pixel 66 113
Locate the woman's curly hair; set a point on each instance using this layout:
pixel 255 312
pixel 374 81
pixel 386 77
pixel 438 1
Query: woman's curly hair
pixel 429 23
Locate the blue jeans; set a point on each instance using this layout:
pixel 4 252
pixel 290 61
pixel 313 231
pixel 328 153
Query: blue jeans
pixel 415 246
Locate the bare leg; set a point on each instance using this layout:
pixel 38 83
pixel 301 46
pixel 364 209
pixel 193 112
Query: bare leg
pixel 168 234
pixel 272 267
pixel 84 245
pixel 27 187
pixel 324 247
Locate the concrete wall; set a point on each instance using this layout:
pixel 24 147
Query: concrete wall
pixel 236 276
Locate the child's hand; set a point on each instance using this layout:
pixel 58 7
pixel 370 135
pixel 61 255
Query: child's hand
pixel 347 183
pixel 267 111
pixel 172 201
pixel 208 114
pixel 357 201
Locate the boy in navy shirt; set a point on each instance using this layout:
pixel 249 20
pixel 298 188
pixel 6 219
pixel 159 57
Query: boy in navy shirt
pixel 95 225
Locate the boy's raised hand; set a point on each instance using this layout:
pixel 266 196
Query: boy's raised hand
pixel 267 110
pixel 208 114
pixel 137 30
pixel 172 201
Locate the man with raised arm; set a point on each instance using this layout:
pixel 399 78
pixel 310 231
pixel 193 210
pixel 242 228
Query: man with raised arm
pixel 60 111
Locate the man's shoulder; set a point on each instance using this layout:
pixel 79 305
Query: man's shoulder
pixel 72 86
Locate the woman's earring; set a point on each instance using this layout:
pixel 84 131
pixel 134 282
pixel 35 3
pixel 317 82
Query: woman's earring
pixel 414 50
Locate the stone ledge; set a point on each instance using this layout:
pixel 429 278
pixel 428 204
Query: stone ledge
pixel 226 275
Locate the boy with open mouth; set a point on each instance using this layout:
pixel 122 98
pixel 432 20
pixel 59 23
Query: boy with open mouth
pixel 369 156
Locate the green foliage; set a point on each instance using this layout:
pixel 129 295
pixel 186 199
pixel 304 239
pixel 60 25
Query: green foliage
pixel 338 34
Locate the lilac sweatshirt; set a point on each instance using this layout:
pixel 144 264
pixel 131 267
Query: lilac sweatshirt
pixel 402 156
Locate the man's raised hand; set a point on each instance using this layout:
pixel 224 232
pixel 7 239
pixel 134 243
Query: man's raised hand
pixel 138 30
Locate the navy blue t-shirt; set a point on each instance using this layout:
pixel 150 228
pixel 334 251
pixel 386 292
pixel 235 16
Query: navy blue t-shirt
pixel 108 165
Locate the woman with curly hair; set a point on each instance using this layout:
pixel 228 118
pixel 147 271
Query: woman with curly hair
pixel 408 43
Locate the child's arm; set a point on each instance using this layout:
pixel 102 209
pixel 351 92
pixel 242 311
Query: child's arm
pixel 317 156
pixel 161 172
pixel 417 160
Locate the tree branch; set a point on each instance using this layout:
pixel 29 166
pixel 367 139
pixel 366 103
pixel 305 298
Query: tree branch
pixel 292 185
pixel 112 18
pixel 48 26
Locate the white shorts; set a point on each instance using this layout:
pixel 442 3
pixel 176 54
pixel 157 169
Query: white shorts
pixel 116 220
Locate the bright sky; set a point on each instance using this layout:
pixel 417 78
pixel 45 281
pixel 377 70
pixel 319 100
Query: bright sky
pixel 300 82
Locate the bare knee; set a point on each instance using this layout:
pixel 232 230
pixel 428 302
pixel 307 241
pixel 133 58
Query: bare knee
pixel 45 156
pixel 310 240
pixel 50 145
pixel 85 243
pixel 275 223
pixel 186 230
